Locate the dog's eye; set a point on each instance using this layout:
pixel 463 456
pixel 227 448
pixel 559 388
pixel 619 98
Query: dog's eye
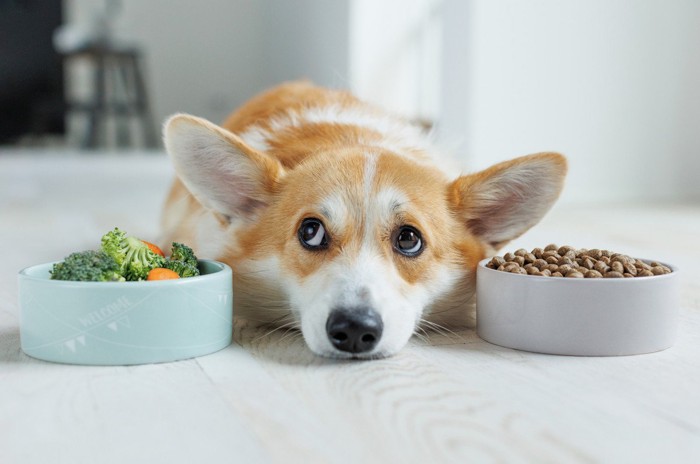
pixel 312 234
pixel 408 241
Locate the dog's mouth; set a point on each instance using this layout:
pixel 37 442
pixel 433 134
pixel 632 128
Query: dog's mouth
pixel 356 357
pixel 333 353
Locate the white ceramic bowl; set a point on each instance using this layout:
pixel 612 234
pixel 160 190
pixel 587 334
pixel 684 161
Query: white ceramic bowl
pixel 112 323
pixel 584 317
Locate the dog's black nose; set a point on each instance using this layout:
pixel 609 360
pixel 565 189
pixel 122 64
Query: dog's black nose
pixel 355 330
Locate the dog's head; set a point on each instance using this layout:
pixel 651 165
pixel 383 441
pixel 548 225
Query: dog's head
pixel 362 242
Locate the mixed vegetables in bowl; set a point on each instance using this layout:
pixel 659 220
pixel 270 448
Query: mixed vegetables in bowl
pixel 124 258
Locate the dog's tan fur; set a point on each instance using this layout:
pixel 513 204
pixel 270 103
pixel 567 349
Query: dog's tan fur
pixel 300 164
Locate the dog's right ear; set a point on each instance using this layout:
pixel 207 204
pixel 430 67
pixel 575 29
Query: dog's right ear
pixel 219 169
pixel 505 200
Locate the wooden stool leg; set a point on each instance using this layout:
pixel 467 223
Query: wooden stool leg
pixel 122 101
pixel 150 138
pixel 96 114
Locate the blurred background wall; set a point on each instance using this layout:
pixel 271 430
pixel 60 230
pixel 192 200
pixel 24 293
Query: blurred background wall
pixel 612 84
pixel 207 58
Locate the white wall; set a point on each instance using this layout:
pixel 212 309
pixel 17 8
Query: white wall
pixel 395 55
pixel 206 58
pixel 305 39
pixel 203 60
pixel 612 84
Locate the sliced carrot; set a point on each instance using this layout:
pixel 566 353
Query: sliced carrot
pixel 161 273
pixel 154 248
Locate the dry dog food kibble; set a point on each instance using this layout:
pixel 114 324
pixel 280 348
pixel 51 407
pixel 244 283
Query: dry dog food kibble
pixel 566 261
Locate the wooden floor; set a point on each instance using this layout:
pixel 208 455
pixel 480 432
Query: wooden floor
pixel 266 398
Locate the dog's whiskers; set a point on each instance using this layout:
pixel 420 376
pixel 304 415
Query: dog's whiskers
pixel 257 271
pixel 291 331
pixel 288 326
pixel 440 329
pixel 280 319
pixel 421 334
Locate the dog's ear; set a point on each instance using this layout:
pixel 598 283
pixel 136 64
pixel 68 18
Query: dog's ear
pixel 219 169
pixel 505 200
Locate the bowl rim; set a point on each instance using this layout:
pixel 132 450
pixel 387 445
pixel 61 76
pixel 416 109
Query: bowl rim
pixel 225 268
pixel 675 271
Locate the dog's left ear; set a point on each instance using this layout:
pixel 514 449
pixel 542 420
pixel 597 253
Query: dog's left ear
pixel 504 201
pixel 218 168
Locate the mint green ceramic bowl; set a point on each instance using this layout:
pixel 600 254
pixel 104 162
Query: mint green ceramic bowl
pixel 113 323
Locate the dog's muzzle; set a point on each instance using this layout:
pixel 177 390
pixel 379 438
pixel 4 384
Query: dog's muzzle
pixel 354 330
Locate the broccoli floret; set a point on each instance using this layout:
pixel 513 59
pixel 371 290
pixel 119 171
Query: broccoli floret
pixel 182 268
pixel 133 256
pixel 88 266
pixel 182 260
pixel 183 253
pixel 112 244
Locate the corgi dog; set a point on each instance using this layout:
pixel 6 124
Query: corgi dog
pixel 337 220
